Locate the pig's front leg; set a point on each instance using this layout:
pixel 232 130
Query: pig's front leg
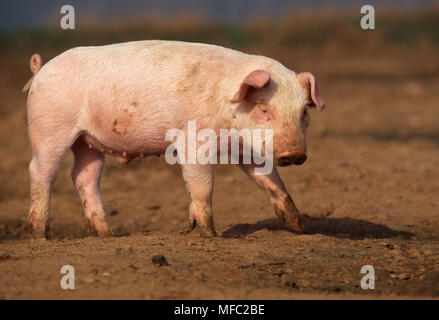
pixel 199 182
pixel 273 185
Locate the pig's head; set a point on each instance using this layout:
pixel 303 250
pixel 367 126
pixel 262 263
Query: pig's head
pixel 279 101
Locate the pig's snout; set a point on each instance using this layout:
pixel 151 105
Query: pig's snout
pixel 291 157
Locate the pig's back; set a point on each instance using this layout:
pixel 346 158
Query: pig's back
pixel 154 62
pixel 142 67
pixel 170 57
pixel 159 75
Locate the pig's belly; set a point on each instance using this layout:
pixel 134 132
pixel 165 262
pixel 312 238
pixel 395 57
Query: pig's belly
pixel 123 154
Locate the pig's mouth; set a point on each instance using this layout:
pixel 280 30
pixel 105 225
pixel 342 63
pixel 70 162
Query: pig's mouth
pixel 289 158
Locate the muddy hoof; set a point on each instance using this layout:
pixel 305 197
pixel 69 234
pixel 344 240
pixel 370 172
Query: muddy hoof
pixel 203 232
pixel 298 227
pixel 290 217
pixel 295 224
pixel 206 232
pixel 39 231
pixel 101 232
pixel 105 233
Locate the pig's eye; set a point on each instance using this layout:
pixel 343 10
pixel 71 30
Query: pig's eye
pixel 264 110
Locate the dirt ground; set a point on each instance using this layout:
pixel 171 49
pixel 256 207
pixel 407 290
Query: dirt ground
pixel 368 194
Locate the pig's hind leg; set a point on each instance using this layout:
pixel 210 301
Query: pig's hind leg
pixel 86 174
pixel 281 200
pixel 49 148
pixel 199 182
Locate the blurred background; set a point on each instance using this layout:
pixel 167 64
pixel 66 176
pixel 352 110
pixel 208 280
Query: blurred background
pixel 35 24
pixel 373 160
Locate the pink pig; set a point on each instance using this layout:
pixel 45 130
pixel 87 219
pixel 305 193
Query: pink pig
pixel 121 100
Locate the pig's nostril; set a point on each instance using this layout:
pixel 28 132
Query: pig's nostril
pixel 292 157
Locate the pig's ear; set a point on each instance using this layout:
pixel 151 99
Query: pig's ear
pixel 257 79
pixel 308 81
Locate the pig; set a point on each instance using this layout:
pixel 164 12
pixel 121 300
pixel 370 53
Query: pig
pixel 121 99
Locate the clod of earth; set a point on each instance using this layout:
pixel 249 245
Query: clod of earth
pixel 159 260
